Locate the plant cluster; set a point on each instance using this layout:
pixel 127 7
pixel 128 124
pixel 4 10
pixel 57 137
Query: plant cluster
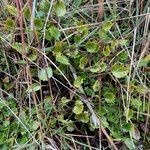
pixel 73 80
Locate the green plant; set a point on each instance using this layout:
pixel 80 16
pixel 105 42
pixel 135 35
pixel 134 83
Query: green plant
pixel 66 74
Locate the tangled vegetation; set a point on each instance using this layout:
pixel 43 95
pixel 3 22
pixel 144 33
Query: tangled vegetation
pixel 74 74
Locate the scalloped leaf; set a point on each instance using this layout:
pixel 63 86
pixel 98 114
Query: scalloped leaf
pixel 129 143
pixel 45 73
pixel 32 53
pixel 92 46
pixel 109 97
pixel 78 108
pixel 119 70
pixel 62 59
pixel 38 23
pixel 144 62
pixel 54 32
pixel 9 23
pixel 96 86
pixel 83 62
pixel 95 68
pixel 78 82
pixel 83 117
pixel 126 127
pixel 12 10
pixel 36 87
pixel 60 9
pixel 17 46
pixel 106 51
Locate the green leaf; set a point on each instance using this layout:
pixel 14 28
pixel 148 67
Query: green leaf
pixel 54 32
pixel 9 23
pixel 64 101
pixel 83 117
pixel 116 133
pixel 141 89
pixel 144 62
pixel 44 6
pixel 47 105
pixel 129 143
pixel 6 123
pixel 12 10
pixel 48 35
pixel 78 81
pixel 73 53
pixel 49 72
pixel 45 73
pixel 17 46
pixel 83 62
pixel 78 108
pixel 1 105
pixel 77 3
pixel 52 122
pixel 27 14
pixel 122 42
pixel 32 53
pixel 84 30
pixel 104 122
pixel 126 127
pixel 96 86
pixel 106 51
pixel 70 125
pixel 21 62
pixel 62 59
pixel 119 71
pixel 60 9
pixel 123 56
pixel 136 103
pixel 60 118
pixel 107 26
pixel 36 87
pixel 23 140
pixel 77 38
pixel 103 66
pixel 109 97
pixel 35 125
pixel 104 36
pixel 92 46
pixel 114 43
pixel 130 114
pixel 38 24
pixel 117 42
pixel 95 68
pixel 59 47
pixel 88 91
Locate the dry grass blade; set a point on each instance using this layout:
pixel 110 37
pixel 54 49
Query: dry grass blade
pixel 100 8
